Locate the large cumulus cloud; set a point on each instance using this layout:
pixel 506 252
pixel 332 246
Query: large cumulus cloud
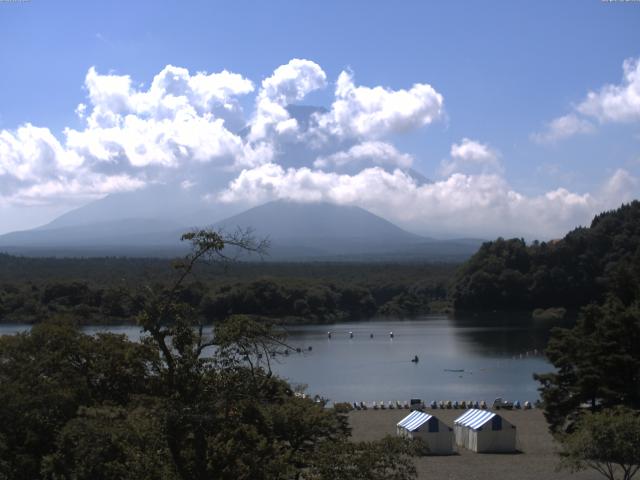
pixel 458 205
pixel 135 135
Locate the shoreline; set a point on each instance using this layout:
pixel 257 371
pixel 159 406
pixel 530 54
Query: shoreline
pixel 536 458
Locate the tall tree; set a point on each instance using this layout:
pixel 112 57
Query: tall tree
pixel 597 364
pixel 607 442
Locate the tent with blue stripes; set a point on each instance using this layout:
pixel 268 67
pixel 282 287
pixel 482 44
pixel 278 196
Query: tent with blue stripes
pixel 437 435
pixel 484 431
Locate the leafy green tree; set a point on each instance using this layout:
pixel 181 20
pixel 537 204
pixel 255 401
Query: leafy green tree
pixel 597 364
pixel 104 443
pixel 47 374
pixel 585 266
pixel 606 442
pixel 388 459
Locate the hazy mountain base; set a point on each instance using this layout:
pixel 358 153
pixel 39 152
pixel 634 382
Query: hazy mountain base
pixel 297 231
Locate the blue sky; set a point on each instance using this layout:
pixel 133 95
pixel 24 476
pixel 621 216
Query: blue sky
pixel 505 70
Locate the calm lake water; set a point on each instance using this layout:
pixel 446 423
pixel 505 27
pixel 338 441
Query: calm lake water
pixel 497 354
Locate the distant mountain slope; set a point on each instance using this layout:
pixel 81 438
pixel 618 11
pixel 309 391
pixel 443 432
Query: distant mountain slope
pixel 161 203
pixel 298 231
pixel 290 220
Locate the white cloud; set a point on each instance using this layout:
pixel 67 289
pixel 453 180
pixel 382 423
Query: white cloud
pixel 36 169
pixel 32 153
pixel 471 155
pixel 563 127
pixel 621 187
pixel 289 83
pixel 179 118
pixel 171 91
pixel 616 103
pixel 611 104
pixel 87 187
pixel 379 153
pixel 364 112
pixel 135 135
pixel 475 205
pixel 147 133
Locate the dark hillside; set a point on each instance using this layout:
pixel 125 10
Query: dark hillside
pixel 583 267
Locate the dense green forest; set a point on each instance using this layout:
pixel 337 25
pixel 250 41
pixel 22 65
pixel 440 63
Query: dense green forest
pixel 597 362
pixel 584 267
pixel 113 290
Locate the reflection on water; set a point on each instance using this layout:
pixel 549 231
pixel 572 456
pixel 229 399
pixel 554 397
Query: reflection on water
pixel 498 356
pixel 505 334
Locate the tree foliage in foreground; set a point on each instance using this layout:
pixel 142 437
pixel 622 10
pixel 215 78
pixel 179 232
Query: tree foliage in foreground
pixel 607 442
pixel 597 364
pixel 181 404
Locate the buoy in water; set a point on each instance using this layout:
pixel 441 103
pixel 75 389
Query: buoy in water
pixel 329 334
pixel 371 336
pixel 350 334
pixel 391 334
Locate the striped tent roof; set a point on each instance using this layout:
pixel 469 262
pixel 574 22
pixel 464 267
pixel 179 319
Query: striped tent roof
pixel 474 418
pixel 414 420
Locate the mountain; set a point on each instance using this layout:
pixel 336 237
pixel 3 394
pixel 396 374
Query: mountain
pixel 320 229
pixel 297 231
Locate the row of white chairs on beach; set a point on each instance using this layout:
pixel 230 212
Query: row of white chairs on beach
pixel 442 404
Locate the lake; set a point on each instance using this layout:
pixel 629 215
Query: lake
pixel 498 355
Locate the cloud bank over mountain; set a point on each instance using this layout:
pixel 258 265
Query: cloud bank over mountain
pixel 191 129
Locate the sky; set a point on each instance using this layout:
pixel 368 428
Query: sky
pixel 523 116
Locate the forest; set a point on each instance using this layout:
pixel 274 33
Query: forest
pixel 586 266
pixel 110 408
pixel 112 290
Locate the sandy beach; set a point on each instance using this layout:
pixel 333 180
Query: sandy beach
pixel 537 458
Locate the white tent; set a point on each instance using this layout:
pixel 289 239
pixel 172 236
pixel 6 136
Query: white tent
pixel 437 435
pixel 484 431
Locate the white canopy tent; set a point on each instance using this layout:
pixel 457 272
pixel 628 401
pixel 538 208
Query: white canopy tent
pixel 484 431
pixel 437 435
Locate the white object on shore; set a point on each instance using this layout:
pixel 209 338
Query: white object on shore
pixel 437 435
pixel 484 431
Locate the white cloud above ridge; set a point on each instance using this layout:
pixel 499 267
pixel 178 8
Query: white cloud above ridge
pixel 380 153
pixel 472 205
pixel 288 84
pixel 471 155
pixel 135 131
pixel 373 113
pixel 133 135
pixel 611 104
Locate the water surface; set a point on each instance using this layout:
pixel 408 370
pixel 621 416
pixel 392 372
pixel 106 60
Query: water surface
pixel 498 356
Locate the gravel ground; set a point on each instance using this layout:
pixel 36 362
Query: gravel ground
pixel 536 458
